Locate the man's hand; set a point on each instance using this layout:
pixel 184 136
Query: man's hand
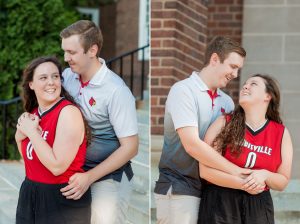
pixel 256 181
pixel 78 185
pixel 243 173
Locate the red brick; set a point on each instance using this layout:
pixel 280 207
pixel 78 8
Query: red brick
pixel 154 120
pixel 157 110
pixel 156 5
pixel 231 24
pixel 222 16
pixel 162 100
pixel 161 53
pixel 238 8
pixel 154 81
pixel 171 5
pixel 155 62
pixel 154 100
pixel 157 130
pixel 169 23
pixel 223 1
pixel 161 120
pixel 159 91
pixel 167 62
pixel 162 33
pixel 167 81
pixel 163 14
pixel 155 43
pixel 155 24
pixel 162 71
pixel 168 43
pixel 212 9
pixel 222 9
pixel 238 16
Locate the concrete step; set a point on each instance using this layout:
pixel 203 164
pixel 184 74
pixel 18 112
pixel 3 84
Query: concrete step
pixel 8 205
pixel 11 177
pixel 141 177
pixel 289 199
pixel 287 217
pixel 153 215
pixel 138 211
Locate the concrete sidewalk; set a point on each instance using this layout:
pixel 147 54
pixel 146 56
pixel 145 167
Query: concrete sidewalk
pixel 11 177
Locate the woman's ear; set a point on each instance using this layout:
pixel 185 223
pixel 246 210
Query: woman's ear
pixel 268 97
pixel 30 85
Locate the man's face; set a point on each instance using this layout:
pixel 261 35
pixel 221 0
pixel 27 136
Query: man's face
pixel 229 69
pixel 74 54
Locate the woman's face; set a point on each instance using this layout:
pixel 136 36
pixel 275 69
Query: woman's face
pixel 254 92
pixel 46 83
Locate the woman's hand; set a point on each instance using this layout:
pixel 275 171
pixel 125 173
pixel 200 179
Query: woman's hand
pixel 27 124
pixel 255 183
pixel 19 136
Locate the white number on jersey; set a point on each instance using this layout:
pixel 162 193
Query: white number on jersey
pixel 251 159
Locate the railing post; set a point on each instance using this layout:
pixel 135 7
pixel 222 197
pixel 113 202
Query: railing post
pixel 131 72
pixel 3 145
pixel 143 73
pixel 121 67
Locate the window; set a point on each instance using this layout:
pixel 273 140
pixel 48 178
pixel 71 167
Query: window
pixel 89 14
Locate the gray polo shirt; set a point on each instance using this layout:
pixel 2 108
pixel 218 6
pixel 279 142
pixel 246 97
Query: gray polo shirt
pixel 188 104
pixel 109 108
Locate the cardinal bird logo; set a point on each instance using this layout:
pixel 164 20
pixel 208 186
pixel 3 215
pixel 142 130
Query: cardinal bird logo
pixel 92 102
pixel 222 110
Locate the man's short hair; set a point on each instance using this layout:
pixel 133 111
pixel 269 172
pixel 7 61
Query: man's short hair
pixel 89 34
pixel 223 46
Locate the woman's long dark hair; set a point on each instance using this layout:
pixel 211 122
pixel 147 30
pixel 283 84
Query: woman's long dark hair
pixel 28 95
pixel 233 133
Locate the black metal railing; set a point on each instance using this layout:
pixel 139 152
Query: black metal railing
pixel 10 110
pixel 135 74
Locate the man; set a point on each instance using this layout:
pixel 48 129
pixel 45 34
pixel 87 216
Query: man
pixel 109 108
pixel 192 105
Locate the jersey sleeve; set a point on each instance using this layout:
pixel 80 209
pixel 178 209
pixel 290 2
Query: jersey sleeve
pixel 122 113
pixel 181 106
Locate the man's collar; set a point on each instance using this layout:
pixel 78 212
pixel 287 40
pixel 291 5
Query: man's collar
pixel 200 83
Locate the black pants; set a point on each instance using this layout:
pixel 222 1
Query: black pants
pixel 44 204
pixel 221 205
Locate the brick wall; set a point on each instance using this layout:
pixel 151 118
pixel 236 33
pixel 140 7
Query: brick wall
pixel 178 37
pixel 225 18
pixel 107 25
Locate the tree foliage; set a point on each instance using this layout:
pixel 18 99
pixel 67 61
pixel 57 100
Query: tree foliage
pixel 28 29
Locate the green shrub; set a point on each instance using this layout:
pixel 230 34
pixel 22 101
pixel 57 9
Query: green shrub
pixel 28 29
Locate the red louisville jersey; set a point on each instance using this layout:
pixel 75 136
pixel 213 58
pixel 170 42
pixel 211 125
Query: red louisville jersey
pixel 261 149
pixel 35 170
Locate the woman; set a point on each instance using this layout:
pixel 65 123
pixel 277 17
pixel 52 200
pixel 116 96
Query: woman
pixel 251 137
pixel 51 139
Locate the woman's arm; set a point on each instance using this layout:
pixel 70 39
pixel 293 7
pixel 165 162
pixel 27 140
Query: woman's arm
pixel 19 136
pixel 212 175
pixel 69 136
pixel 277 181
